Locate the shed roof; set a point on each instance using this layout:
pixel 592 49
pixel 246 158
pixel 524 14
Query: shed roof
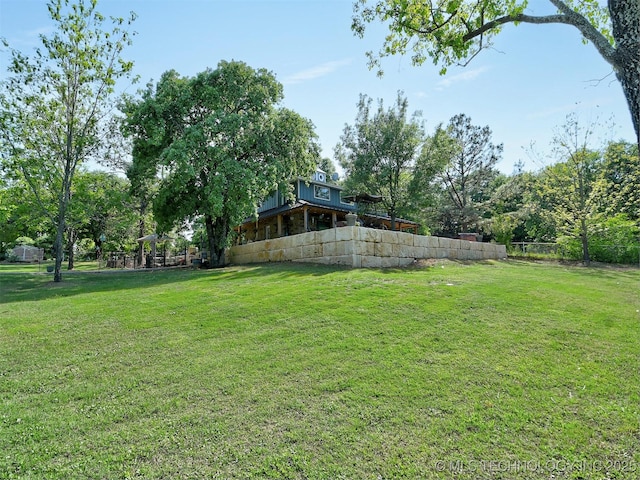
pixel 154 238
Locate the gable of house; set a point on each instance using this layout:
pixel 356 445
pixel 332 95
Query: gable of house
pixel 315 191
pixel 317 205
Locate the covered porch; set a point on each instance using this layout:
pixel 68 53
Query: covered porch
pixel 291 220
pixel 303 217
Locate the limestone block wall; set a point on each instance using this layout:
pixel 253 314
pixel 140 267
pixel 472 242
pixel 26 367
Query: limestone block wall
pixel 361 247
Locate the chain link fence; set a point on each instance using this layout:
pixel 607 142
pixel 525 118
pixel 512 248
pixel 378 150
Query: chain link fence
pixel 622 254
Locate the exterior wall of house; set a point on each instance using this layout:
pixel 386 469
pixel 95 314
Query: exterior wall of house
pixel 319 193
pixel 322 194
pixel 361 247
pixel 274 200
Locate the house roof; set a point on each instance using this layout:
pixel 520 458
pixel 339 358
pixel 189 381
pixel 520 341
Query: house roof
pixel 311 181
pixel 386 218
pixel 27 248
pixel 295 206
pixel 363 197
pixel 154 237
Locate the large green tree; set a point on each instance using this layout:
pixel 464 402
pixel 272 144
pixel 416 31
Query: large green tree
pixel 99 209
pixel 15 216
pixel 618 187
pixel 142 172
pixel 567 187
pixel 469 174
pixel 143 185
pixel 454 31
pixel 379 152
pixel 221 144
pixel 22 215
pixel 54 105
pixel 510 210
pixel 425 187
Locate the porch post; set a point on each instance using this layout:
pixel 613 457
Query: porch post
pixel 334 219
pixel 279 225
pixel 306 218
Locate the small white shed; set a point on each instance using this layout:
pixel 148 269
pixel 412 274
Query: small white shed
pixel 28 253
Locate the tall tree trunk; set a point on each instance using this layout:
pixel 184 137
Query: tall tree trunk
pixel 217 233
pixel 625 20
pixel 630 80
pixel 72 237
pixel 58 251
pixel 141 228
pixel 58 244
pixel 584 236
pixel 140 254
pixel 70 162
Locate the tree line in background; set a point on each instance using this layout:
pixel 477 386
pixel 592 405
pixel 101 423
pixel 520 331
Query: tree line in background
pixel 587 201
pixel 204 151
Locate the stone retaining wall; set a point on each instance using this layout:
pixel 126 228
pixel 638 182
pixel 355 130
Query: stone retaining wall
pixel 361 247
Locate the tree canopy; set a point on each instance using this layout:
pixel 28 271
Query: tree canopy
pixel 54 106
pixel 99 210
pixel 619 183
pixel 454 31
pixel 470 170
pixel 380 151
pixel 220 144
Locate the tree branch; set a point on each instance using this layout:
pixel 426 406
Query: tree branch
pixel 567 17
pixel 513 19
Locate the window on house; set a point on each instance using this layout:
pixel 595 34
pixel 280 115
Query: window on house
pixel 321 192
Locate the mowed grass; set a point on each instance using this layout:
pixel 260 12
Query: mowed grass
pixel 34 267
pixel 481 370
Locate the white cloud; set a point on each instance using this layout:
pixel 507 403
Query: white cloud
pixel 315 72
pixel 460 77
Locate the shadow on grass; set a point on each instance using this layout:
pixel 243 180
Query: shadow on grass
pixel 602 271
pixel 595 269
pixel 427 264
pixel 20 287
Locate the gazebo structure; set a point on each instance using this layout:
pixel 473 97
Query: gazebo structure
pixel 153 240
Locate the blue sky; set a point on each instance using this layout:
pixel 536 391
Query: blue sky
pixel 522 89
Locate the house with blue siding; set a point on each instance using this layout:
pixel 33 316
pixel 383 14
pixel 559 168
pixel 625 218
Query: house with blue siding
pixel 318 204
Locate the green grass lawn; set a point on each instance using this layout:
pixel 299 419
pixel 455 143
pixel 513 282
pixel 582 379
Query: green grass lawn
pixel 35 267
pixel 467 371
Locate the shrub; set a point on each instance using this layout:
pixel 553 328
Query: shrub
pixel 502 228
pixel 24 241
pixel 614 240
pixel 617 240
pixel 569 248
